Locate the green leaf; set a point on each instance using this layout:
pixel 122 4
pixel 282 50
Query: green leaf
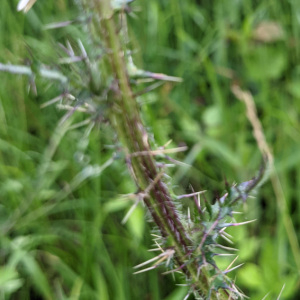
pixel 37 275
pixel 266 63
pixel 9 280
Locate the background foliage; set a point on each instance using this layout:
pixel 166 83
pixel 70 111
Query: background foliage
pixel 60 212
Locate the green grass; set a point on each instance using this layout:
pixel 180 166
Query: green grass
pixel 60 217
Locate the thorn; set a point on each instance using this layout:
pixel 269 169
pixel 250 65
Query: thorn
pixel 198 272
pixel 71 108
pixel 189 216
pixel 57 25
pixel 243 223
pixel 159 247
pixel 152 250
pixel 129 213
pixel 157 236
pixel 80 124
pixel 224 254
pixel 226 239
pixel 174 270
pixel 167 144
pixel 190 195
pixel 166 255
pixel 25 5
pixel 226 272
pixel 70 111
pixel 134 72
pixel 222 199
pixel 82 49
pixel 147 261
pixel 222 231
pixel 141 195
pixel 224 247
pixel 197 202
pixel 70 60
pixel 183 284
pixel 231 263
pixel 26 70
pixel 265 296
pixel 65 49
pixel 148 89
pixel 177 162
pixel 225 225
pixel 145 270
pixel 161 76
pixel 69 47
pixel 237 291
pixel 56 99
pixel 158 151
pixel 163 165
pixel 280 292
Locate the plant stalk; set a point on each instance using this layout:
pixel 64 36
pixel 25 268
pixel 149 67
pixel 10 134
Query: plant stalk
pixel 125 117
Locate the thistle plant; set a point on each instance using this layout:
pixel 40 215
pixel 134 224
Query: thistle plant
pixel 107 77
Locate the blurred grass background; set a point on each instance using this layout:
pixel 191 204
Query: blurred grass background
pixel 60 214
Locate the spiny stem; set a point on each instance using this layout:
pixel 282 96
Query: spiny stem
pixel 125 116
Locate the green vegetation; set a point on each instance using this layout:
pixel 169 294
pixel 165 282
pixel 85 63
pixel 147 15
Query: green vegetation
pixel 63 179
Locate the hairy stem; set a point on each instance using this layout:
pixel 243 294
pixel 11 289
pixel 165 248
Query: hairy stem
pixel 125 116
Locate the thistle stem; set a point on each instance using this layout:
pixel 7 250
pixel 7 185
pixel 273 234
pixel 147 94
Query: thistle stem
pixel 125 116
